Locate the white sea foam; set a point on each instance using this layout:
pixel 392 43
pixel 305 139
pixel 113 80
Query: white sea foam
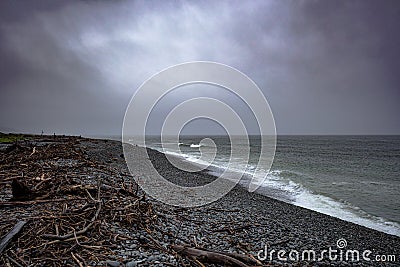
pixel 303 197
pixel 345 211
pixel 195 146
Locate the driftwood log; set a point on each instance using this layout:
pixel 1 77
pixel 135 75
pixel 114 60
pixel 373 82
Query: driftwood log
pixel 17 228
pixel 203 255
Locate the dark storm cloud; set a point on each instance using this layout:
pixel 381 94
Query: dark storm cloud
pixel 326 67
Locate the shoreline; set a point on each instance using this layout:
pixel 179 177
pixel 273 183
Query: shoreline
pixel 240 222
pixel 314 225
pixel 343 211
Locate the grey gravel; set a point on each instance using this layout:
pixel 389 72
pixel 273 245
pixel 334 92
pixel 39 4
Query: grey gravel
pixel 240 222
pixel 113 263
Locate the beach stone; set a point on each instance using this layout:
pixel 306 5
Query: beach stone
pixel 131 264
pixel 113 263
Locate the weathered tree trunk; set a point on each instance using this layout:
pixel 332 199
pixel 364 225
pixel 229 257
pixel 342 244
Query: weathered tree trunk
pixel 17 228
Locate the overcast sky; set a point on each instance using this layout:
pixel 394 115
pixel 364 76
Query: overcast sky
pixel 326 67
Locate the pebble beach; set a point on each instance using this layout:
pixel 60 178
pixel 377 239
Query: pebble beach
pixel 272 232
pixel 245 222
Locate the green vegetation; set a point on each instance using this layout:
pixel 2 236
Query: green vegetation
pixel 10 138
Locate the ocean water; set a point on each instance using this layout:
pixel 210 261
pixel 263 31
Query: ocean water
pixel 354 178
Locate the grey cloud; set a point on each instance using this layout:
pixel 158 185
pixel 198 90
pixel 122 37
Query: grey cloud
pixel 326 67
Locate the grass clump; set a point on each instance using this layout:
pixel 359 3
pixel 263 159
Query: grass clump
pixel 10 138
